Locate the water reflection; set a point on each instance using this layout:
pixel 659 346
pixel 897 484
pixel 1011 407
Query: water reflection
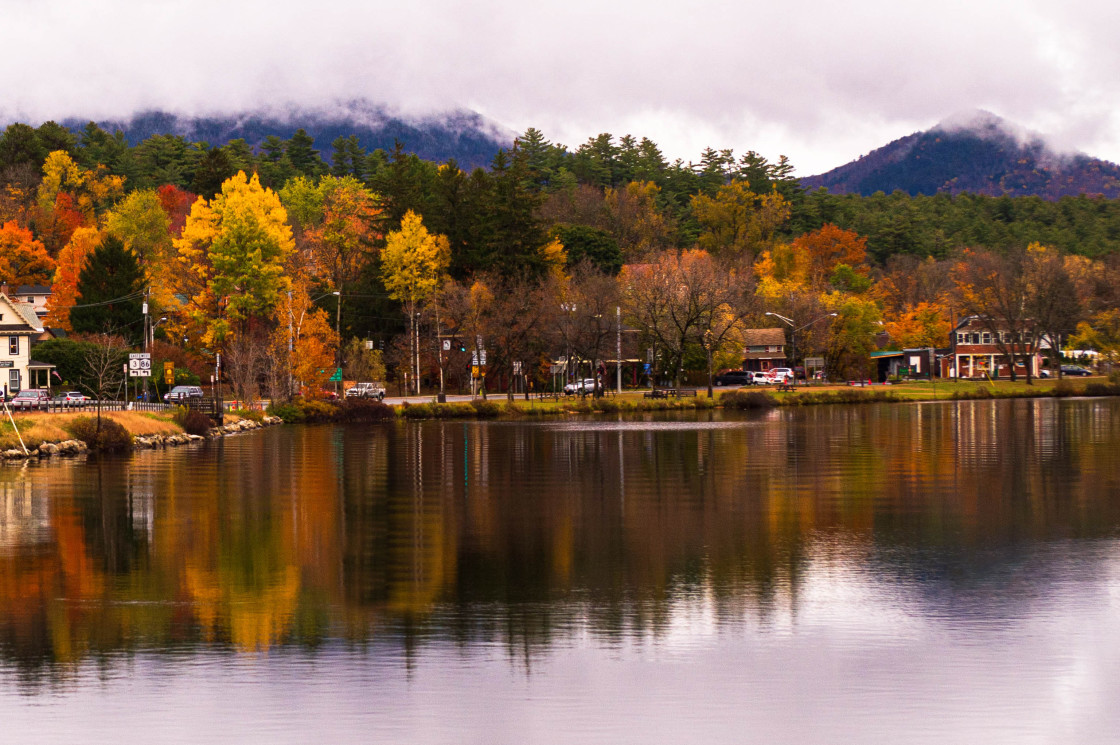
pixel 674 529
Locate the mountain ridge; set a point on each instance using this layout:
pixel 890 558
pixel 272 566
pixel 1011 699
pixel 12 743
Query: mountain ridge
pixel 978 153
pixel 464 135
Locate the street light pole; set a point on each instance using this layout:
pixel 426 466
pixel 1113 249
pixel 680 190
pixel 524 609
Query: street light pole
pixel 793 336
pixel 708 350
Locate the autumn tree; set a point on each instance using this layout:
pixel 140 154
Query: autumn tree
pixel 920 325
pixel 413 265
pixel 1052 301
pixel 828 248
pixel 675 300
pixel 70 196
pixel 64 289
pixel 737 221
pixel 231 258
pixel 23 260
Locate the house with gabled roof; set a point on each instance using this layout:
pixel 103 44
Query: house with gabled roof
pixel 764 349
pixel 19 327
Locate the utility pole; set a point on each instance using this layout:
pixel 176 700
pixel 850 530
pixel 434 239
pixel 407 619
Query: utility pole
pixel 338 351
pixel 618 345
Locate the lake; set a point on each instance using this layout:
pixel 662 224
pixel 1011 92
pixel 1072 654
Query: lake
pixel 920 573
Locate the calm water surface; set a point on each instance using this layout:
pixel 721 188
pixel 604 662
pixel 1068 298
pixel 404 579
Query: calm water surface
pixel 942 573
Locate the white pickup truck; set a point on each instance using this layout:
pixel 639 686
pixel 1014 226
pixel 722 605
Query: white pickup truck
pixel 366 390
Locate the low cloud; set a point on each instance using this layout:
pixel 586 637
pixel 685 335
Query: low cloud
pixel 820 83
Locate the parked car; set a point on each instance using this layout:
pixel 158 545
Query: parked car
pixel 733 377
pixel 366 390
pixel 71 398
pixel 781 375
pixel 32 398
pixel 1075 370
pixel 760 378
pixel 182 393
pixel 587 385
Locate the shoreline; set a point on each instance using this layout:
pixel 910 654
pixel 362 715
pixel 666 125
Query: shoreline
pixel 165 432
pixel 168 434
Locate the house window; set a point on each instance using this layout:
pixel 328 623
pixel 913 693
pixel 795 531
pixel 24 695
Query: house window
pixel 986 338
pixel 13 345
pixel 961 338
pixel 13 380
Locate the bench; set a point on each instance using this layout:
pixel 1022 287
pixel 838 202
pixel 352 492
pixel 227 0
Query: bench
pixel 786 388
pixel 670 393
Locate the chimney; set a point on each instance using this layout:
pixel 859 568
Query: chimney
pixel 4 287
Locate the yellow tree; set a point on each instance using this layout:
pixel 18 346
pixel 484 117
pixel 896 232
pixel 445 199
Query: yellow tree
pixel 738 222
pixel 413 265
pixel 231 257
pixel 142 224
pixel 64 290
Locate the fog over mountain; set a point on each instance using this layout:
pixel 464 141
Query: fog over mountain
pixel 975 152
pixel 460 134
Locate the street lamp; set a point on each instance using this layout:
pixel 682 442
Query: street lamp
pixel 793 335
pixel 708 350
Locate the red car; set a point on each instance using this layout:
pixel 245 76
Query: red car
pixel 32 398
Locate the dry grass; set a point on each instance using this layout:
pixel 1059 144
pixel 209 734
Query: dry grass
pixel 39 427
pixel 35 430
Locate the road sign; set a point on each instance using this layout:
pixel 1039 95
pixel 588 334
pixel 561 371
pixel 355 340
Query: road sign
pixel 139 365
pixel 447 345
pixel 169 372
pixel 337 377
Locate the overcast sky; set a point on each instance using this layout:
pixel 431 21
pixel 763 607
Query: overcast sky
pixel 820 82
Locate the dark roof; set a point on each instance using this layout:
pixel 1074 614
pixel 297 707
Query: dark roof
pixel 33 290
pixel 21 328
pixel 761 337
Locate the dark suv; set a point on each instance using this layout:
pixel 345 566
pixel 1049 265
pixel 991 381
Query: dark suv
pixel 733 377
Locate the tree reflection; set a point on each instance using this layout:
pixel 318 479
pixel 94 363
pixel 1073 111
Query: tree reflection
pixel 523 533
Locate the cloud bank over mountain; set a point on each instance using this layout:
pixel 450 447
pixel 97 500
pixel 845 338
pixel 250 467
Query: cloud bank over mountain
pixel 819 82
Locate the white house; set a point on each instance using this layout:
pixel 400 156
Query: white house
pixel 19 326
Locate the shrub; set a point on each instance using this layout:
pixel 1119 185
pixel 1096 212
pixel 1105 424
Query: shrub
pixel 747 400
pixel 196 423
pixel 365 410
pixel 289 412
pixel 110 436
pixel 1062 389
pixel 1102 389
pixel 485 408
pixel 255 414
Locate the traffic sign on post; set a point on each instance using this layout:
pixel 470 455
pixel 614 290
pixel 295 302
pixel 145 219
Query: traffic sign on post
pixel 139 365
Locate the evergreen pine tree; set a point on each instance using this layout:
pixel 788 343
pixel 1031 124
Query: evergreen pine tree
pixel 110 289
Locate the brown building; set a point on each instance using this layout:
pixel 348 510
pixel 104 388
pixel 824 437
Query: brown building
pixel 974 351
pixel 764 349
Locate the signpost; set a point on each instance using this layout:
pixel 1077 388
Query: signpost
pixel 139 365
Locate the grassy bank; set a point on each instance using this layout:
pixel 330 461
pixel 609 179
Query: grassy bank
pixel 39 427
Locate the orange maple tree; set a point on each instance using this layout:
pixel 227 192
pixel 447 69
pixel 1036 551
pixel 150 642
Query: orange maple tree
pixel 23 260
pixel 71 259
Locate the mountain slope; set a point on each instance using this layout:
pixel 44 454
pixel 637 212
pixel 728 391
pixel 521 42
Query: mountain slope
pixel 979 153
pixel 463 135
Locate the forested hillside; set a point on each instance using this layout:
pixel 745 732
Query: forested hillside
pixel 982 155
pixel 284 261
